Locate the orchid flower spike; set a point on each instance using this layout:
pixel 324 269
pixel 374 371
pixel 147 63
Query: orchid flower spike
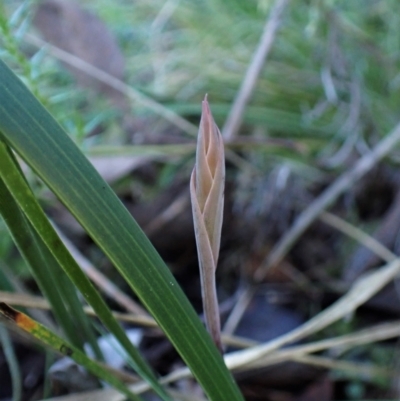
pixel 207 196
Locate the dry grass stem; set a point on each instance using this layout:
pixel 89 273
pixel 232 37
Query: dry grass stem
pixel 36 302
pixel 327 198
pixel 372 334
pixel 376 333
pixel 171 212
pixel 369 242
pixel 361 291
pixel 113 82
pixel 235 116
pixel 360 369
pixel 20 290
pixel 207 196
pixel 106 286
pixel 239 309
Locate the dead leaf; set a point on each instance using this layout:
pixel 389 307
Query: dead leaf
pixel 66 25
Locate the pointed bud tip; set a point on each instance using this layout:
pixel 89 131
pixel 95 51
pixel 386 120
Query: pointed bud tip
pixel 206 107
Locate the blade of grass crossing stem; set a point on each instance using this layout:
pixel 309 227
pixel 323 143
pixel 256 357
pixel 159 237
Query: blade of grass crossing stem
pixel 50 339
pixel 42 143
pixel 51 279
pixel 25 199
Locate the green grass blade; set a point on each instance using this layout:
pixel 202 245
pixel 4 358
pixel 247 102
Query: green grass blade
pixel 42 143
pixel 50 339
pixel 25 199
pixel 48 274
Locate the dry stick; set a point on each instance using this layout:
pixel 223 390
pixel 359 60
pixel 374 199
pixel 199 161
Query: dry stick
pixel 376 333
pixel 36 302
pixel 115 83
pixel 326 199
pixel 235 117
pixel 364 239
pixel 238 311
pixel 361 291
pixel 366 370
pixel 21 290
pixel 171 212
pixel 326 217
pixel 33 301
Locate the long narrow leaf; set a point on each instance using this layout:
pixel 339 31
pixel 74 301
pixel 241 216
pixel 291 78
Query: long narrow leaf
pixel 50 277
pixel 27 202
pixel 42 143
pixel 50 339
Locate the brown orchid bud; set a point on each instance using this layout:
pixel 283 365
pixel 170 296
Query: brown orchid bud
pixel 207 196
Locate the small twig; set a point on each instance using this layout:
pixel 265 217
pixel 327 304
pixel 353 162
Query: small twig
pixel 362 290
pixel 35 302
pixel 376 333
pixel 21 291
pixel 184 373
pixel 115 83
pixel 344 182
pixel 235 116
pixel 171 212
pixel 238 311
pixel 369 242
pixel 366 370
pixel 370 335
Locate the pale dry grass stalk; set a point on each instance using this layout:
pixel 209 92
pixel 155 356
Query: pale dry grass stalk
pixel 130 92
pixel 35 302
pixel 104 284
pixel 207 196
pixel 326 199
pixel 353 232
pixel 235 117
pixel 376 333
pixel 361 291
